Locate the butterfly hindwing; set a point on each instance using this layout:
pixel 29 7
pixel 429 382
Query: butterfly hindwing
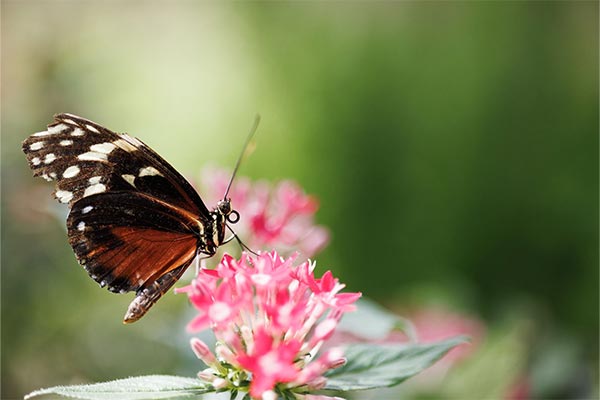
pixel 127 240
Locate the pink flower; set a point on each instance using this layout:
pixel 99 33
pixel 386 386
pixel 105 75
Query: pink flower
pixel 279 216
pixel 270 319
pixel 269 362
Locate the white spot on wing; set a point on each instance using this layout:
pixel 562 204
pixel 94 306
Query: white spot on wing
pixel 53 175
pixel 46 177
pixel 56 129
pixel 49 158
pixel 149 171
pixel 129 178
pixel 105 148
pixel 92 128
pixel 124 145
pixel 92 156
pixel 87 209
pixel 94 179
pixel 94 189
pixel 66 142
pixel 70 172
pixel 64 196
pixel 36 146
pixel 81 226
pixel 43 133
pixel 35 161
pixel 70 121
pixel 77 132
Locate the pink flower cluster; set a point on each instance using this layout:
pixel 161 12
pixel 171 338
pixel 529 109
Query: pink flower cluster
pixel 270 319
pixel 277 217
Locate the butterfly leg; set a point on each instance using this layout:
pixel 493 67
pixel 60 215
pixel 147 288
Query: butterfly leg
pixel 242 244
pixel 229 239
pixel 199 263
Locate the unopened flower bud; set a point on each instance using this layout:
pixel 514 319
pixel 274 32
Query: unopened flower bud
pixel 317 384
pixel 220 383
pixel 207 375
pixel 203 352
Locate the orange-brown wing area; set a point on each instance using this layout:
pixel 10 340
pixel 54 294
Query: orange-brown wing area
pixel 126 241
pixel 144 255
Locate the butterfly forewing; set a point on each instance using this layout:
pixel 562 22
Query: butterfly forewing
pixel 86 158
pixel 135 223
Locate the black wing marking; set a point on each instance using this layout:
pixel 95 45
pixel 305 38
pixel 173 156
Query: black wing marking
pixel 86 159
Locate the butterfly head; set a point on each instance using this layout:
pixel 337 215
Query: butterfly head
pixel 224 208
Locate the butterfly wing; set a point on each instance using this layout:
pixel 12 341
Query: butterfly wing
pixel 126 240
pixel 85 158
pixel 135 221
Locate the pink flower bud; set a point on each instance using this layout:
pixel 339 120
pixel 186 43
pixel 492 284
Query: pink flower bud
pixel 317 384
pixel 220 383
pixel 325 329
pixel 225 354
pixel 206 376
pixel 203 352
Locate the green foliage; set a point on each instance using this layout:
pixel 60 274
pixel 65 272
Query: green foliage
pixel 374 366
pixel 138 388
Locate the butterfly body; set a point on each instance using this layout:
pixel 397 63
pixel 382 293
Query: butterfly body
pixel 135 223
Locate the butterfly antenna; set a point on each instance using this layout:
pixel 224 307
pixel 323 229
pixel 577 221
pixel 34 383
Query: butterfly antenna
pixel 239 160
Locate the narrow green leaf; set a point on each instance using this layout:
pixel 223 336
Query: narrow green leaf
pixel 135 388
pixel 373 366
pixel 373 322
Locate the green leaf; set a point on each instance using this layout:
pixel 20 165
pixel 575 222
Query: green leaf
pixel 373 366
pixel 373 322
pixel 136 388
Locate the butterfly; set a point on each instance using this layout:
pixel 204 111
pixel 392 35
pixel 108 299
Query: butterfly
pixel 135 223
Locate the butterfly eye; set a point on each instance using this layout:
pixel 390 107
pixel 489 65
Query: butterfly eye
pixel 224 206
pixel 233 217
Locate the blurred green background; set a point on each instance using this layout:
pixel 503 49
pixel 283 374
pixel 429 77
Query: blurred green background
pixel 453 147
